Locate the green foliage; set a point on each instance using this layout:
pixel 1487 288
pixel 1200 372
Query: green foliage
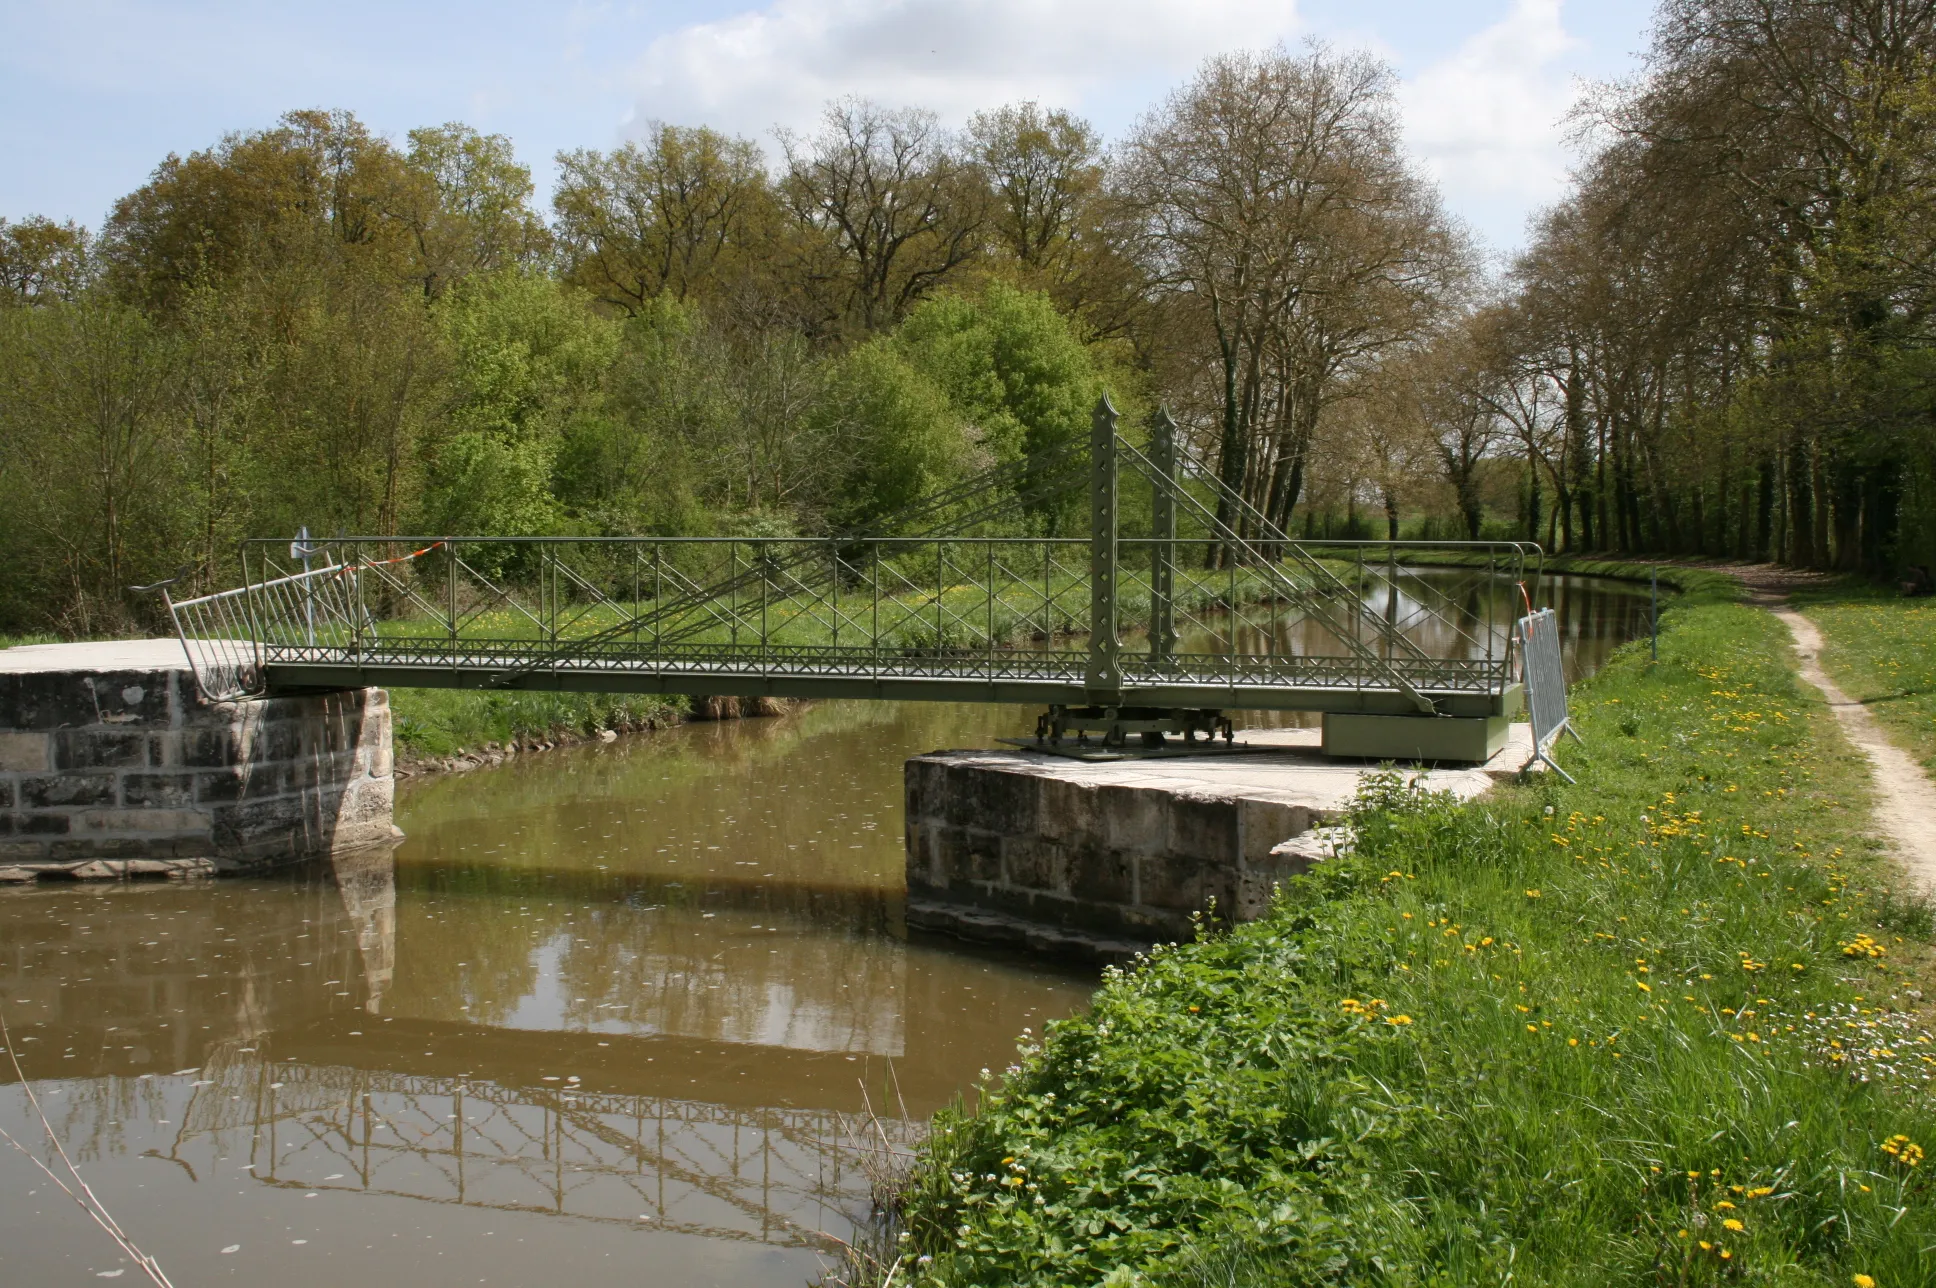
pixel 1649 1029
pixel 528 357
pixel 349 371
pixel 628 467
pixel 1009 363
pixel 441 722
pixel 709 201
pixel 42 261
pixel 1785 359
pixel 471 212
pixel 899 435
pixel 1013 368
pixel 86 463
pixel 305 326
pixel 506 404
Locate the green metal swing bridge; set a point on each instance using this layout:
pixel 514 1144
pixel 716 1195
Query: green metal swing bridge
pixel 1195 606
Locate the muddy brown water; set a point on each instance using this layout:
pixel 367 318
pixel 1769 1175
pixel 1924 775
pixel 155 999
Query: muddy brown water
pixel 611 1014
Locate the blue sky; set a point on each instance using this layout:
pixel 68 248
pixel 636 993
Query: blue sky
pixel 93 93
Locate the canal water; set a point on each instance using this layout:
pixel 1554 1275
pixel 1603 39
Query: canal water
pixel 628 1013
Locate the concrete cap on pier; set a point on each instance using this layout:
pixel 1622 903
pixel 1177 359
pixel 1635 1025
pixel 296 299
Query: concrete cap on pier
pixel 95 655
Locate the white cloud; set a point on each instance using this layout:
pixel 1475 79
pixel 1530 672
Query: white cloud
pixel 1488 120
pixel 780 65
pixel 1485 119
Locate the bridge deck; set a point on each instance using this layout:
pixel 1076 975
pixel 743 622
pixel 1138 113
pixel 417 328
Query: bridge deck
pixel 1281 683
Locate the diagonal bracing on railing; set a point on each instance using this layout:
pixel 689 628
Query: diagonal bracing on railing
pixel 1203 605
pixel 1307 592
pixel 989 497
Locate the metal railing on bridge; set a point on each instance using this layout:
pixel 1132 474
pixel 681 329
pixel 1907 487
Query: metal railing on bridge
pixel 1199 604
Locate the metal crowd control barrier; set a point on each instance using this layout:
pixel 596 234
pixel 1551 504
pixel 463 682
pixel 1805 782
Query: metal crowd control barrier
pixel 1539 651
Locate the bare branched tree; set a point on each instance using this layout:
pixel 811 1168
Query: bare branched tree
pixel 673 216
pixel 888 206
pixel 1276 206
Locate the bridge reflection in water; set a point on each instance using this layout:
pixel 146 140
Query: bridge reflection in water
pixel 759 1173
pixel 672 1050
pixel 346 1102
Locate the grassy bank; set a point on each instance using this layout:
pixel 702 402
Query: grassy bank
pixel 1646 1029
pixel 1881 650
pixel 441 722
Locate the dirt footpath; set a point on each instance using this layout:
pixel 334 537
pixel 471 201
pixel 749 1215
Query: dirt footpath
pixel 1905 798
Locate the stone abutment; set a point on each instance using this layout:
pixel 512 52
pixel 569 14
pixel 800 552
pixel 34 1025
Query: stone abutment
pixel 112 764
pixel 1100 859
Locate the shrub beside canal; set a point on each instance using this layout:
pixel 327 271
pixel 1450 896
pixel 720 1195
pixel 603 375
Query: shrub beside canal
pixel 1658 1027
pixel 440 722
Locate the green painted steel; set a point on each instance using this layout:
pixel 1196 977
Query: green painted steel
pixel 1162 629
pixel 1409 739
pixel 1104 679
pixel 951 602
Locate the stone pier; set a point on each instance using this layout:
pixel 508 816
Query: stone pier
pixel 112 764
pixel 1102 859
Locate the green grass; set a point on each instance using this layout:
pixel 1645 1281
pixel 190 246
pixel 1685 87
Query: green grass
pixel 1881 651
pixel 1564 1036
pixel 439 722
pixel 1688 579
pixel 960 613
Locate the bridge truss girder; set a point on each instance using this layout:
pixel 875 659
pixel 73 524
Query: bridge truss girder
pixel 1282 695
pixel 1239 614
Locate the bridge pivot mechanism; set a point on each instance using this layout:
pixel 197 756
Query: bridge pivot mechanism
pixel 1152 726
